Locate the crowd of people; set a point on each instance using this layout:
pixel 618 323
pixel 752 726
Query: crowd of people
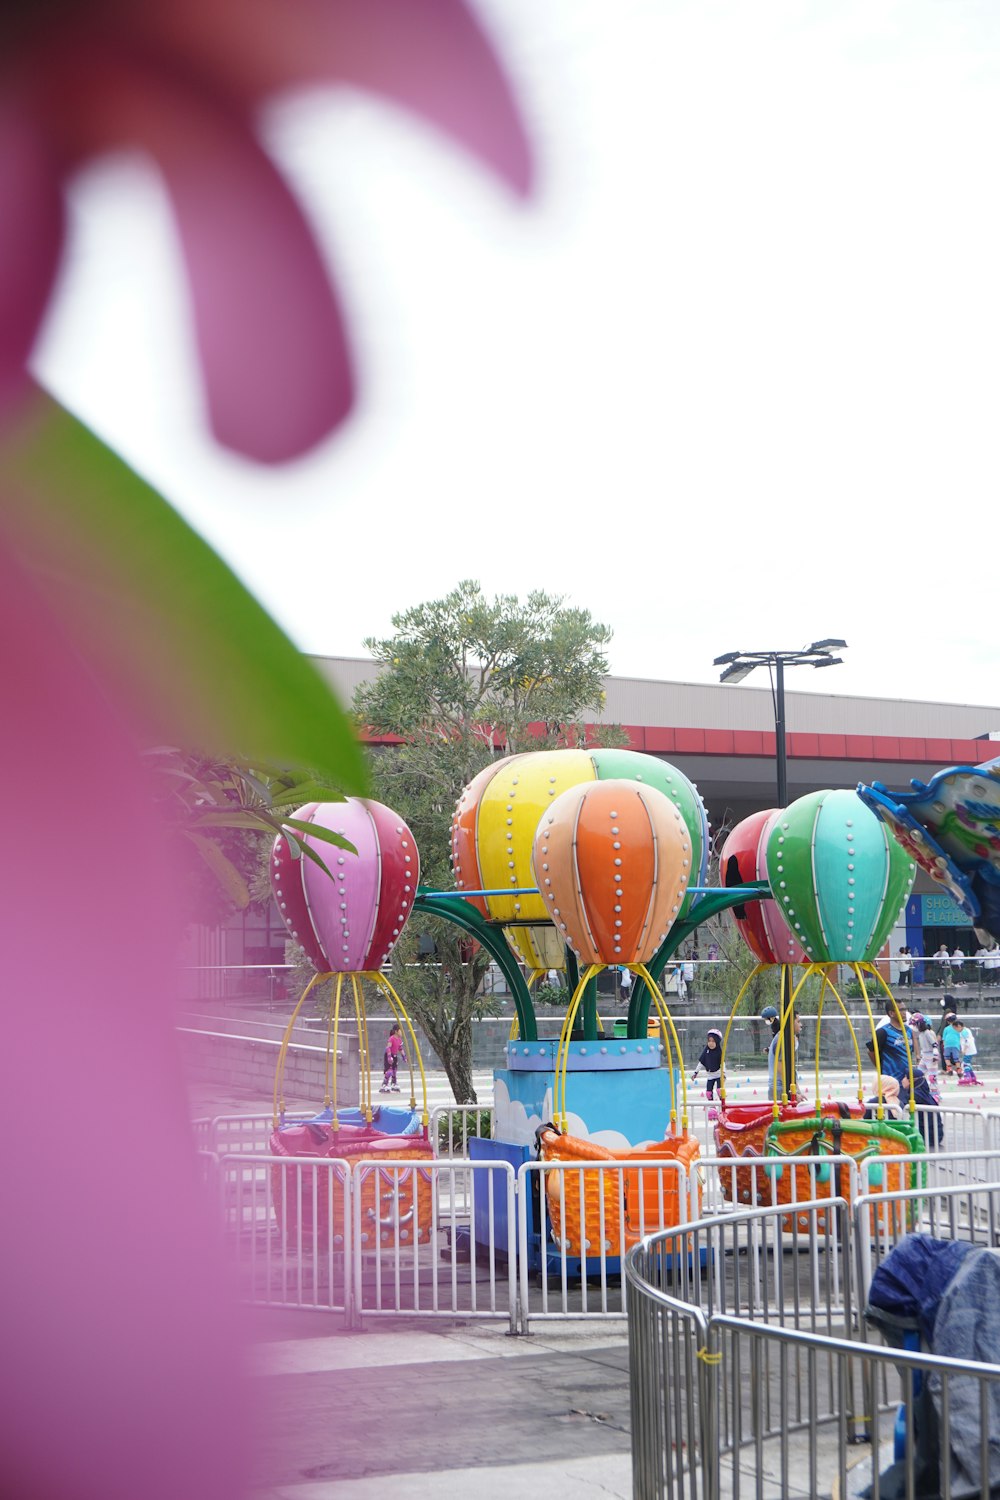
pixel 951 966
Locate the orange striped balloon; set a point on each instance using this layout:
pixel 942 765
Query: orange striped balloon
pixel 612 860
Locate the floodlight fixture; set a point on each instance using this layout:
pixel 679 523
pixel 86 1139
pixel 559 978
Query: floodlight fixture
pixel 830 645
pixel 739 664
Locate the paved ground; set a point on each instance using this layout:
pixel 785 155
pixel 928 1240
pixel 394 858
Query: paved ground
pixel 427 1409
pixel 432 1411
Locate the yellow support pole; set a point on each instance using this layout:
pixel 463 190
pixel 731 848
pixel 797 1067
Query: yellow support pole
pixel 363 1047
pixel 279 1073
pixel 871 969
pixel 562 1054
pixel 337 990
pixel 330 1087
pixel 667 1019
pixel 729 1026
pixel 402 1016
pixel 824 970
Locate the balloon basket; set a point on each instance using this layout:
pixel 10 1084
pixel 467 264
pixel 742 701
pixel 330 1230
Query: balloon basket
pixel 595 1213
pixel 396 1204
pixel 771 1175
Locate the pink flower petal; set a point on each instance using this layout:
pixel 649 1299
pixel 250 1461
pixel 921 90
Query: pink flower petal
pixel 120 1373
pixel 432 56
pixel 271 338
pixel 269 330
pixel 31 230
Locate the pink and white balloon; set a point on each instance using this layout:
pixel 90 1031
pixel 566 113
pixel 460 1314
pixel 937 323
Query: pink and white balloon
pixel 349 920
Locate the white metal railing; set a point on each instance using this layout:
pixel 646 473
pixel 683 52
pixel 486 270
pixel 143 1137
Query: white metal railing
pixel 454 1125
pixel 953 1127
pixel 417 1230
pixel 958 1211
pixel 732 1183
pixel 576 1221
pixel 369 1238
pixel 465 1238
pixel 230 1134
pixel 289 1225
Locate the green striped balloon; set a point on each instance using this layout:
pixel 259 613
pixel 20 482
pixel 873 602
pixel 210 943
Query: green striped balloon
pixel 839 876
pixel 632 765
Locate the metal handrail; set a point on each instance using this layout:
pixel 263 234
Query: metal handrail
pixel 719 1410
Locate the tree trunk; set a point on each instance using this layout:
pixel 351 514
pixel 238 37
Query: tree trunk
pixel 453 1045
pixel 458 1066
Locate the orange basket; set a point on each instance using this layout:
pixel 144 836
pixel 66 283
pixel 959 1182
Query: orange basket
pixel 740 1131
pixel 611 1211
pixel 774 1145
pixel 396 1204
pixel 862 1139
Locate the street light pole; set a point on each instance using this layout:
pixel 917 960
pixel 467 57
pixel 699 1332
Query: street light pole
pixel 739 664
pixel 780 754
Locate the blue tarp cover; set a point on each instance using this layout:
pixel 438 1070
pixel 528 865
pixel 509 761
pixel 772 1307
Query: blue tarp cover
pixel 914 1277
pixel 387 1119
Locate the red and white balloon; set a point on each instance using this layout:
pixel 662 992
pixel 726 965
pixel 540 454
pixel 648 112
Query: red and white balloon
pixel 349 920
pixel 760 923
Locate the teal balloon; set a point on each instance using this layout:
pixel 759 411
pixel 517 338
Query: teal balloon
pixel 840 878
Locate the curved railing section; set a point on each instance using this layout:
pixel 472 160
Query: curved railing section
pixel 754 1368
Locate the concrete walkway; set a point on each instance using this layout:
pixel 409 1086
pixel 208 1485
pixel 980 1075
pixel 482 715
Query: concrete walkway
pixel 458 1410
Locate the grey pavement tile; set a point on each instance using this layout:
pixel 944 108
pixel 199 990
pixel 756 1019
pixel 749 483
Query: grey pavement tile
pixel 335 1426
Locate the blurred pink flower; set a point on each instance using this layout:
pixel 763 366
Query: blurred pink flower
pixel 183 80
pixel 122 1367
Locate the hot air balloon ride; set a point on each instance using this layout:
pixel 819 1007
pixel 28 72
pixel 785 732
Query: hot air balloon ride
pixel 493 831
pixel 348 917
pixel 616 1097
pixel 613 859
pixel 838 883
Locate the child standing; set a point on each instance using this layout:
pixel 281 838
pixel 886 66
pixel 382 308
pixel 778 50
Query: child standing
pixel 711 1061
pixel 390 1060
pixel 927 1045
pixel 951 1047
pixel 967 1047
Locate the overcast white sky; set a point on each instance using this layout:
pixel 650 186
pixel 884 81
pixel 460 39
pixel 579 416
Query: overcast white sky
pixel 730 382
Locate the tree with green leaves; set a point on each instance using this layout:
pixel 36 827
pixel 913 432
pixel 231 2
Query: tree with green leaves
pixel 463 681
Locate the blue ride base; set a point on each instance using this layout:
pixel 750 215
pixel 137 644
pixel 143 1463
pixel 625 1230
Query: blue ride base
pixel 617 1093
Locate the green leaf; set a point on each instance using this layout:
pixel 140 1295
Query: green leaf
pixel 223 869
pixel 317 832
pixel 303 848
pixel 256 822
pixel 156 614
pixel 302 792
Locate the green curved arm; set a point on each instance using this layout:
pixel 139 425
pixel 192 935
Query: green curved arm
pixel 462 913
pixel 709 906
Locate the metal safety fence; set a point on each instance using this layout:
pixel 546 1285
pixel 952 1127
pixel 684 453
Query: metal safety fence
pixel 372 1237
pixel 458 1237
pixel 752 1370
